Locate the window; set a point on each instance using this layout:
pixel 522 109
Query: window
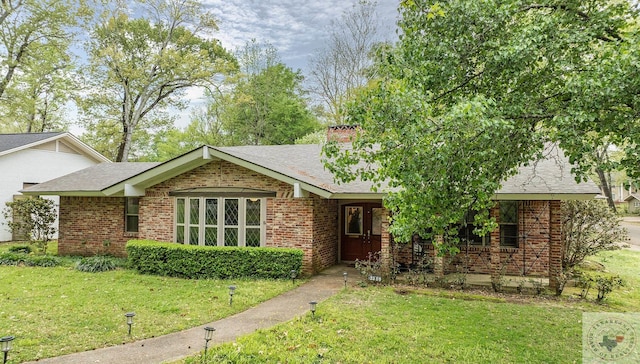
pixel 220 221
pixel 466 233
pixel 131 210
pixel 509 223
pixel 636 203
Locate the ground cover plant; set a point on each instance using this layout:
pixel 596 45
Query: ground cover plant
pixel 55 311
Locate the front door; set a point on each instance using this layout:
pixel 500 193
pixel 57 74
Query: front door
pixel 361 230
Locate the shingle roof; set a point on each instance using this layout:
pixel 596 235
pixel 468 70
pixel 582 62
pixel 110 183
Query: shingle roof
pixel 12 141
pixel 550 175
pixel 302 163
pixel 95 178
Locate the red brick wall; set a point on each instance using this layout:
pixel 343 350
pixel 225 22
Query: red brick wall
pixel 532 255
pixel 308 223
pixel 92 225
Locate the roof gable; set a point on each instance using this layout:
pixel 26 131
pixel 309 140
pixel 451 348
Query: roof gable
pixel 12 143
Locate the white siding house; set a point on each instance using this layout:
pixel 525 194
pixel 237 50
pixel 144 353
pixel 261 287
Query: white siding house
pixel 31 158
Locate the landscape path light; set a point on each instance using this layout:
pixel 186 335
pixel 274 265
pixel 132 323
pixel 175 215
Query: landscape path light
pixel 208 335
pixel 293 276
pixel 129 316
pixel 345 279
pixel 232 290
pixel 312 307
pixel 5 345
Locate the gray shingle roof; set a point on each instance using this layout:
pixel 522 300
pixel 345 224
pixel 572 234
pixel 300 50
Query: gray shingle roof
pixel 550 175
pixel 95 178
pixel 302 163
pixel 12 141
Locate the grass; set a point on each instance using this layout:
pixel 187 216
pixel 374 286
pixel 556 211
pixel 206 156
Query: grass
pixel 390 325
pixel 626 264
pixel 55 311
pixel 379 325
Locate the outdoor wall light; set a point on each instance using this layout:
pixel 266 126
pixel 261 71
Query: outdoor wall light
pixel 129 316
pixel 312 307
pixel 232 290
pixel 345 279
pixel 293 276
pixel 208 335
pixel 5 345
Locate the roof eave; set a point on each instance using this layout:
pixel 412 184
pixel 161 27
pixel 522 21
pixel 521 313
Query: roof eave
pixel 544 196
pixel 162 172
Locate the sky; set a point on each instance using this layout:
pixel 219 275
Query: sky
pixel 294 27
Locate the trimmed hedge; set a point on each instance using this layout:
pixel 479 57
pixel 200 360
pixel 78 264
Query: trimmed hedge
pixel 29 260
pixel 192 261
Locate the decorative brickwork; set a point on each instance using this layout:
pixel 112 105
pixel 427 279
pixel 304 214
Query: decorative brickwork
pixel 342 133
pixel 309 223
pixel 538 253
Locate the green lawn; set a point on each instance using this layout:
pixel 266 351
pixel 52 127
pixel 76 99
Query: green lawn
pixel 381 325
pixel 388 325
pixel 55 311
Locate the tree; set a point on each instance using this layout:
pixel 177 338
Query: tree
pixel 33 216
pixel 34 44
pixel 140 67
pixel 340 67
pixel 30 27
pixel 263 104
pixel 39 95
pixel 473 90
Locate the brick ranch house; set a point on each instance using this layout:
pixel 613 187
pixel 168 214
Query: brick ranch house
pixel 282 196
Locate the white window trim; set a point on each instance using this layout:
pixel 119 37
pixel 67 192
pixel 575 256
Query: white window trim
pixel 221 225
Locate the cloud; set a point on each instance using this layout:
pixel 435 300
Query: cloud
pixel 295 28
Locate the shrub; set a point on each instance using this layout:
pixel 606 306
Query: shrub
pixel 191 261
pixel 33 217
pixel 99 263
pixel 29 260
pixel 588 227
pixel 23 249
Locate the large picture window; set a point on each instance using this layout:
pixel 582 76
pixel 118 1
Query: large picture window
pixel 220 221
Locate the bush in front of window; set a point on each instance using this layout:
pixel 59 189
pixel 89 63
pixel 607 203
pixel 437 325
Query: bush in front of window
pixel 193 261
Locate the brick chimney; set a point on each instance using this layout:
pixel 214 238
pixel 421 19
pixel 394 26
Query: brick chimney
pixel 342 133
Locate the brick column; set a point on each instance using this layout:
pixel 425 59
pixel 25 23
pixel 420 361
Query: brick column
pixel 494 247
pixel 438 261
pixel 555 244
pixel 385 242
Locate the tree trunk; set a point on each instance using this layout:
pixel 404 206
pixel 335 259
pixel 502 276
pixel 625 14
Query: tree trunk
pixel 606 188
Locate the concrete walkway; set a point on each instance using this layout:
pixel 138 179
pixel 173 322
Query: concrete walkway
pixel 181 344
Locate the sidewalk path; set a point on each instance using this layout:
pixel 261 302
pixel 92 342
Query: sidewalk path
pixel 181 344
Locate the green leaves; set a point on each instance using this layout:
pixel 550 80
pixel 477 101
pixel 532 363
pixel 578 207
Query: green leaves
pixel 474 89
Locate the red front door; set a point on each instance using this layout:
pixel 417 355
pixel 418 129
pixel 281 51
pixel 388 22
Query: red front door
pixel 361 230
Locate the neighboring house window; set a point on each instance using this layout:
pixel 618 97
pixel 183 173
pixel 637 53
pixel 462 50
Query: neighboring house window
pixel 220 221
pixel 132 207
pixel 509 223
pixel 467 235
pixel 636 203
